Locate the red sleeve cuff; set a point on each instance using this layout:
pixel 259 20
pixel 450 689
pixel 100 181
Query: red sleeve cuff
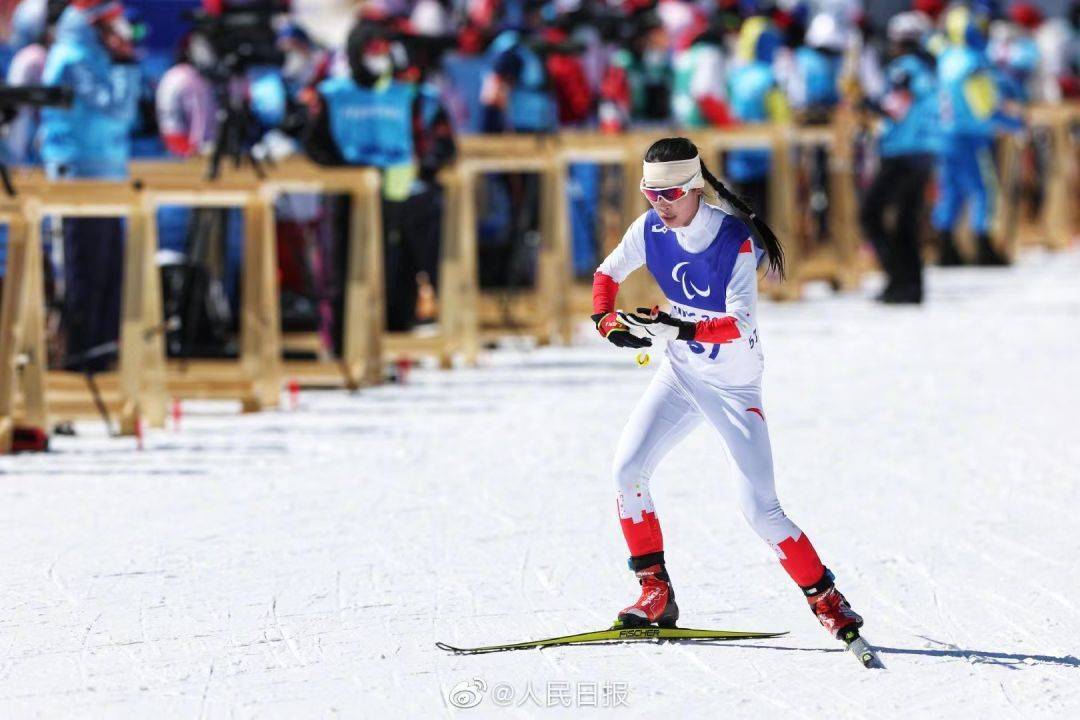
pixel 717 330
pixel 604 290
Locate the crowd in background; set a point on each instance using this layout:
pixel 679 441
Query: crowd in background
pixel 412 74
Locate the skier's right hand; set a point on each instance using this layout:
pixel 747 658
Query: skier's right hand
pixel 609 326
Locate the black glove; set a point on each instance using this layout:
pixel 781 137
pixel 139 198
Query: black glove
pixel 609 325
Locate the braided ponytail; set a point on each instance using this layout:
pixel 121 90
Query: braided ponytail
pixel 678 148
pixel 758 227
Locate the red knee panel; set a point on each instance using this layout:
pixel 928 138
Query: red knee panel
pixel 801 561
pixel 643 537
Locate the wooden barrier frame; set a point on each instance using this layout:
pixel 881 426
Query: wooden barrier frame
pixel 458 291
pixel 142 377
pixel 22 337
pixel 1063 174
pixel 256 381
pixel 24 316
pixel 365 301
pixel 261 336
pixel 511 154
pixel 837 262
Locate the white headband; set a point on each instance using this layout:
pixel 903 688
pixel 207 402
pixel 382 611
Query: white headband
pixel 672 173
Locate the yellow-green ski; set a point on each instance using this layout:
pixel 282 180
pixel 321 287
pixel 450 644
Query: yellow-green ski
pixel 616 635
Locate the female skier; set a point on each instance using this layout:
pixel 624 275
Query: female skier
pixel 705 258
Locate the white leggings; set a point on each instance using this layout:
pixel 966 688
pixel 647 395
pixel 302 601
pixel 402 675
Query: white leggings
pixel 674 403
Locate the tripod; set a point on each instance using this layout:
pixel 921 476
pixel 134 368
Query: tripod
pixel 234 129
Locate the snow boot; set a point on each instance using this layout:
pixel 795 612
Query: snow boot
pixel 657 601
pixel 832 609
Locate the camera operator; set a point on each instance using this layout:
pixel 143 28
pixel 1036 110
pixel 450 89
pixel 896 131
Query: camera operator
pixel 93 55
pixel 371 119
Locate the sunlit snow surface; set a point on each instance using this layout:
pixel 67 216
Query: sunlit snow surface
pixel 303 563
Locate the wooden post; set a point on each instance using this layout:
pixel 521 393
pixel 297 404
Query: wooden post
pixel 30 352
pixel 558 229
pixel 554 258
pixel 365 296
pixel 469 289
pixel 1059 203
pixel 12 321
pixel 450 279
pixel 1007 212
pixel 843 211
pixel 152 390
pixel 10 307
pixel 269 379
pixel 253 330
pixel 134 324
pixel 782 211
pixel 358 303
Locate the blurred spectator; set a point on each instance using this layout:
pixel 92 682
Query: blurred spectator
pixel 755 96
pixel 369 118
pixel 186 110
pixel 93 55
pixel 1058 42
pixel 569 85
pixel 306 63
pixel 907 145
pixel 464 69
pixel 27 67
pixel 699 96
pixel 516 94
pixel 814 89
pixel 970 113
pixel 637 85
pixel 28 22
pixel 1013 51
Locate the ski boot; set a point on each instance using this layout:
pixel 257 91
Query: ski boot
pixel 832 609
pixel 657 601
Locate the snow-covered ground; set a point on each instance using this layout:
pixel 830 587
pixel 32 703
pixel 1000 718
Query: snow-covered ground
pixel 303 563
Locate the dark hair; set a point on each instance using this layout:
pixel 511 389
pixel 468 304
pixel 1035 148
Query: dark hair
pixel 680 148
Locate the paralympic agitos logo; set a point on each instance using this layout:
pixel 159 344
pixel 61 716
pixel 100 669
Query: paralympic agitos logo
pixel 681 279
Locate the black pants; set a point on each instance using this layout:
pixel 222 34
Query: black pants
pixel 412 235
pixel 413 230
pixel 93 275
pixel 899 186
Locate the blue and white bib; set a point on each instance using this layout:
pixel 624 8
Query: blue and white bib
pixel 693 280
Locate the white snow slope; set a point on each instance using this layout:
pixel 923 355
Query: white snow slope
pixel 303 564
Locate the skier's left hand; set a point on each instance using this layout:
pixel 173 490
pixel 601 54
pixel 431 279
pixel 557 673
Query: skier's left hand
pixel 653 323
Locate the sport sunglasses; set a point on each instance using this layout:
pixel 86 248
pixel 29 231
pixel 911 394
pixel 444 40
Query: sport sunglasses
pixel 671 194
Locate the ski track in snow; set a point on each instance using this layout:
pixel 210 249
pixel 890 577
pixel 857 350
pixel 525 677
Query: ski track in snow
pixel 302 564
